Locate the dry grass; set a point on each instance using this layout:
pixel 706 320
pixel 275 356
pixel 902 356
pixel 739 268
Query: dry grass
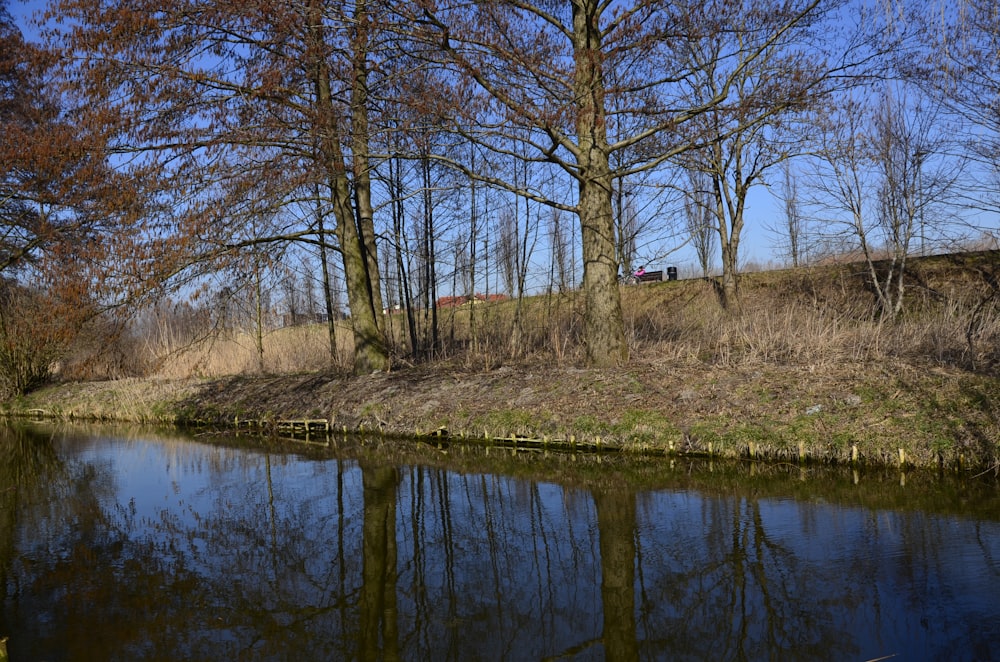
pixel 128 400
pixel 291 350
pixel 814 318
pixel 781 324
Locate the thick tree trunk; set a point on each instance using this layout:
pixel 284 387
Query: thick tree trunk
pixel 604 327
pixel 370 353
pixel 369 347
pixel 605 333
pixel 379 612
pixel 359 145
pixel 616 527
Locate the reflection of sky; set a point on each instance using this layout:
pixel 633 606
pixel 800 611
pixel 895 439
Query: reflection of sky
pixel 487 562
pixel 908 584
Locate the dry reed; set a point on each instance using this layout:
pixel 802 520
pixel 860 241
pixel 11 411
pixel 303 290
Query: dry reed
pixel 792 318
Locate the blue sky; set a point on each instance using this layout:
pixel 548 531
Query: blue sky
pixel 22 10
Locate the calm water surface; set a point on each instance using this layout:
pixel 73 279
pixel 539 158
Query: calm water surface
pixel 130 545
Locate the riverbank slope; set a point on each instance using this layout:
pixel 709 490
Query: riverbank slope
pixel 924 415
pixel 804 368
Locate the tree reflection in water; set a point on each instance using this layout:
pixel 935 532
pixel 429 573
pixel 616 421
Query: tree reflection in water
pixel 379 635
pixel 163 548
pixel 617 527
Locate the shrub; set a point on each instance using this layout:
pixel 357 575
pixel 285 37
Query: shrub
pixel 32 338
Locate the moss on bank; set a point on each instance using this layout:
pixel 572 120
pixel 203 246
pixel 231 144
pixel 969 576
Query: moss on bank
pixel 922 415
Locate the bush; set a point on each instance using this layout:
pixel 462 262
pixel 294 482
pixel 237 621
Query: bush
pixel 32 338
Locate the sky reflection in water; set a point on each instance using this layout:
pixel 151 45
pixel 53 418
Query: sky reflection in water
pixel 152 547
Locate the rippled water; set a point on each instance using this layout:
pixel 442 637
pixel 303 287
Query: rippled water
pixel 134 545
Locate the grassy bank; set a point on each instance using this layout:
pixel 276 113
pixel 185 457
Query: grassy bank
pixel 863 413
pixel 801 372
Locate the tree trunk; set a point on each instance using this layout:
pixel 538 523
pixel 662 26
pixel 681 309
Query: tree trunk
pixel 370 351
pixel 258 315
pixel 473 237
pixel 369 348
pixel 604 326
pixel 729 271
pixel 402 274
pixel 616 529
pixel 430 257
pixel 359 146
pixel 729 214
pixel 331 313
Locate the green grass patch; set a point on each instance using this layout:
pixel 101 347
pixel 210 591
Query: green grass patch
pixel 634 427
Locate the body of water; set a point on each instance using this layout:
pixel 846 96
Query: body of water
pixel 136 545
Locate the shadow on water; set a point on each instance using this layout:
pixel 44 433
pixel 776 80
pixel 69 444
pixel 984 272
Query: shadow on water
pixel 132 545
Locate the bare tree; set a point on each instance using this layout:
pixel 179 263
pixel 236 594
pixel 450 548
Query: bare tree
pixel 330 291
pixel 794 227
pixel 700 220
pixel 958 71
pixel 775 65
pixel 404 268
pixel 462 280
pixel 428 252
pixel 874 182
pixel 626 228
pixel 560 252
pixel 898 153
pixel 508 240
pixel 555 77
pixel 259 308
pixel 351 200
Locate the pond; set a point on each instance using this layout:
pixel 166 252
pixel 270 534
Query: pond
pixel 127 544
